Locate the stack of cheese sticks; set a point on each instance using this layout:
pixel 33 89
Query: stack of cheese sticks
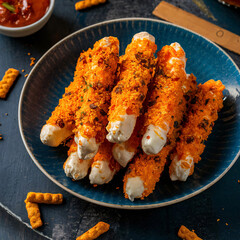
pixel 136 108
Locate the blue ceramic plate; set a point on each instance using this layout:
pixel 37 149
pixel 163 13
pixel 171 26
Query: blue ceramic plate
pixel 54 71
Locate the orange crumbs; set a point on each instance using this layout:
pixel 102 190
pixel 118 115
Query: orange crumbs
pixel 105 154
pixel 25 75
pixel 32 61
pixel 136 70
pixel 64 113
pixel 203 112
pixel 91 118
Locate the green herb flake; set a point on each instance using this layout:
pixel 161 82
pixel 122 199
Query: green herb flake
pixel 11 8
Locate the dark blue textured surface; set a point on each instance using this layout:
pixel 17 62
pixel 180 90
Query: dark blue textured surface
pixel 19 175
pixel 55 70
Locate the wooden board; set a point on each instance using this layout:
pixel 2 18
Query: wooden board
pixel 211 31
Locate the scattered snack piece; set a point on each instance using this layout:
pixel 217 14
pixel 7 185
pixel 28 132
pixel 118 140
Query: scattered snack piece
pixel 32 61
pixel 1 138
pixel 33 214
pixel 7 81
pixel 87 3
pixel 95 231
pixel 47 198
pixel 226 224
pixel 186 234
pixel 6 114
pixel 218 220
pixel 23 70
pixel 238 181
pixel 25 75
pixel 29 54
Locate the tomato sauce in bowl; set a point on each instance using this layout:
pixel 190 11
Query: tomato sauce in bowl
pixel 19 13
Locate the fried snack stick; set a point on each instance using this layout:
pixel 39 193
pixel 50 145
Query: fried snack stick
pixel 136 70
pixel 62 121
pixel 104 167
pixel 95 231
pixel 33 214
pixel 74 167
pixel 165 96
pixel 47 198
pixel 186 234
pixel 87 3
pixel 145 171
pixel 91 118
pixel 7 81
pixel 124 152
pixel 200 121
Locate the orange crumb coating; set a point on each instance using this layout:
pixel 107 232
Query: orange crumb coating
pixel 91 118
pixel 166 94
pixel 73 147
pixel 186 234
pixel 95 231
pixel 150 167
pixel 168 58
pixel 48 198
pixel 203 112
pixel 33 214
pixel 136 71
pixel 71 101
pixel 105 154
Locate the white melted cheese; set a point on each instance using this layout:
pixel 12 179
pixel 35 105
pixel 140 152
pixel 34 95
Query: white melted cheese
pixel 101 173
pixel 121 154
pixel 75 167
pixel 154 139
pixel 182 59
pixel 121 131
pixel 179 173
pixel 87 148
pixel 142 35
pixel 134 188
pixel 106 43
pixel 53 135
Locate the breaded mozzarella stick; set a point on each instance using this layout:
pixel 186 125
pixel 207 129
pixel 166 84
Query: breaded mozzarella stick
pixel 91 118
pixel 145 171
pixel 104 167
pixel 62 121
pixel 124 152
pixel 136 70
pixel 200 121
pixel 74 167
pixel 165 93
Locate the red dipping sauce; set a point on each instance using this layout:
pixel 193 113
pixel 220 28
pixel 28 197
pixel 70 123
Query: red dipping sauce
pixel 26 12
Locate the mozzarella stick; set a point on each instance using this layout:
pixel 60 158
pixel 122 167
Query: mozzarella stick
pixel 200 121
pixel 145 171
pixel 136 69
pixel 124 152
pixel 166 95
pixel 91 118
pixel 62 121
pixel 74 167
pixel 104 167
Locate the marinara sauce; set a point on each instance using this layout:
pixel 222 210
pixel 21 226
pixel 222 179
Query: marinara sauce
pixel 25 12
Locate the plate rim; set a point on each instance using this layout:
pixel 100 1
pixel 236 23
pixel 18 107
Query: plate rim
pixel 112 205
